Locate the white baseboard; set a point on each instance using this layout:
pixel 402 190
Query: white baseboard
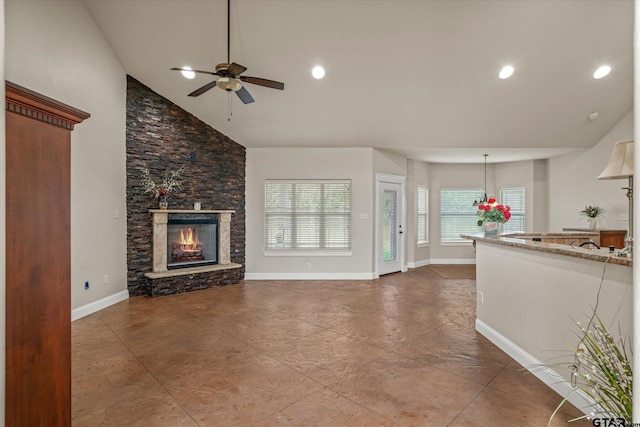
pixel 547 375
pixel 420 263
pixel 91 308
pixel 309 276
pixel 453 261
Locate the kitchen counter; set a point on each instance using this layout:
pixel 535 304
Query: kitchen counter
pixel 525 241
pixel 530 294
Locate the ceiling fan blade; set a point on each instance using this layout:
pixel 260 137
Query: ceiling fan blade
pixel 203 89
pixel 195 71
pixel 262 82
pixel 236 69
pixel 244 95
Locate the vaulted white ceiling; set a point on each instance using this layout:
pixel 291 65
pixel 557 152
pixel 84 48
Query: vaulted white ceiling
pixel 413 77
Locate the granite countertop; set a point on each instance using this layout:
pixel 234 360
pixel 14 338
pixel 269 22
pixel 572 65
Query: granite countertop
pixel 601 255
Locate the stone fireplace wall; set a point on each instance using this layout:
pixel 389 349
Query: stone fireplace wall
pixel 163 137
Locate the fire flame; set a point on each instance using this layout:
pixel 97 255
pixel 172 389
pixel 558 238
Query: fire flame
pixel 189 239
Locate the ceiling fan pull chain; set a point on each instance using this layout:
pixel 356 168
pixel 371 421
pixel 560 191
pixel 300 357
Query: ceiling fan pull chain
pixel 230 111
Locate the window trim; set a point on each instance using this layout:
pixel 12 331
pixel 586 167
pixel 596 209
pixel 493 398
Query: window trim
pixel 308 251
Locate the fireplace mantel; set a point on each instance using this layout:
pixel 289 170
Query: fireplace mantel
pixel 160 220
pixel 154 211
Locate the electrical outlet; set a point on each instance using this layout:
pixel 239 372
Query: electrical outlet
pixel 308 265
pixel 106 279
pixel 481 297
pixel 86 285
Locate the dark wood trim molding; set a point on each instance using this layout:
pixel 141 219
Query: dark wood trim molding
pixel 38 258
pixel 26 102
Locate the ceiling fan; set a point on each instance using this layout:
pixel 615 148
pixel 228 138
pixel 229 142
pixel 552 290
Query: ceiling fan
pixel 229 73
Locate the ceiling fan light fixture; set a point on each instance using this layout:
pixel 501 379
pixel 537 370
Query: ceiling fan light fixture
pixel 229 84
pixel 187 73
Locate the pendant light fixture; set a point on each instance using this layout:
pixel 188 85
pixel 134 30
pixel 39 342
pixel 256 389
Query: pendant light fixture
pixel 484 199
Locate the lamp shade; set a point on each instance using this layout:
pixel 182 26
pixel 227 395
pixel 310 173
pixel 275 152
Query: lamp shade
pixel 620 163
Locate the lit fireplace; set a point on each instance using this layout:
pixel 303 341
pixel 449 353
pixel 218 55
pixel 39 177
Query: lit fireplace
pixel 188 248
pixel 191 240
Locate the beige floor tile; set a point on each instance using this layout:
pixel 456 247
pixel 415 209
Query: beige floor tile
pixel 240 392
pixel 326 355
pixel 92 339
pixel 149 410
pixel 326 408
pixel 382 330
pixel 399 350
pixel 408 392
pixel 473 358
pixel 109 381
pixel 496 407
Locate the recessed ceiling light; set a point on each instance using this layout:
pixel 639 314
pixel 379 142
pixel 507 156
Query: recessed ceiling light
pixel 602 72
pixel 187 73
pixel 317 72
pixel 506 72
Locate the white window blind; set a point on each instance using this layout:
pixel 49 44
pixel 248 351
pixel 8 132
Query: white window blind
pixel 422 215
pixel 457 213
pixel 514 198
pixel 308 215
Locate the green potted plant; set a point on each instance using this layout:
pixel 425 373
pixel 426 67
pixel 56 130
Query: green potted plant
pixel 593 213
pixel 601 370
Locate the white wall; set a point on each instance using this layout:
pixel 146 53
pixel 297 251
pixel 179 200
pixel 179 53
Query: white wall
pixel 573 183
pixel 531 175
pixel 311 163
pixel 69 60
pixel 385 162
pixel 417 174
pixel 540 196
pixel 3 237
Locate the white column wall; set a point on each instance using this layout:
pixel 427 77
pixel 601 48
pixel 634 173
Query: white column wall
pixel 68 59
pixel 3 237
pixel 417 174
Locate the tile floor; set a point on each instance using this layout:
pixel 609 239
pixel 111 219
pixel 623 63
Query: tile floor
pixel 400 350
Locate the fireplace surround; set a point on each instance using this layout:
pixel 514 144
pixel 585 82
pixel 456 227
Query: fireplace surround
pixel 162 256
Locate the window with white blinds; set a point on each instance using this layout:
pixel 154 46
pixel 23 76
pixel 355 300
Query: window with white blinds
pixel 422 215
pixel 457 213
pixel 308 215
pixel 514 198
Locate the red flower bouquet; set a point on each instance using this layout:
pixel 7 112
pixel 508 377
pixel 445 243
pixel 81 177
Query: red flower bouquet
pixel 492 211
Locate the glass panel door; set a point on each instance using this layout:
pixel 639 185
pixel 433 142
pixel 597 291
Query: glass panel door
pixel 389 226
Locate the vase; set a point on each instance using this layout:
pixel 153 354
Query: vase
pixel 164 204
pixel 591 223
pixel 490 228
